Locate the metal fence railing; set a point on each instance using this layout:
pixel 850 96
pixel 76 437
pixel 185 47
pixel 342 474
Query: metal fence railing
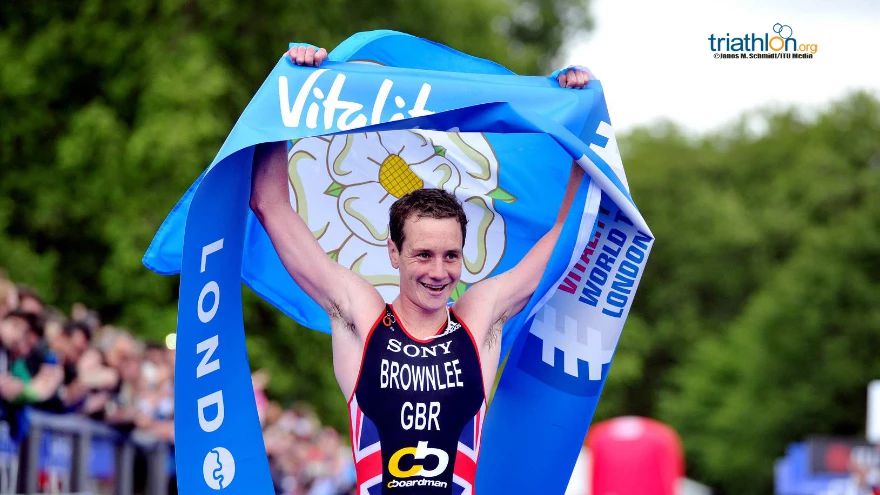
pixel 73 454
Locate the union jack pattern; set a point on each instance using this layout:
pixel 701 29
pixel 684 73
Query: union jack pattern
pixel 465 471
pixel 367 452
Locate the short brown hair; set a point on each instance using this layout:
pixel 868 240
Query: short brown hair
pixel 35 323
pixel 425 203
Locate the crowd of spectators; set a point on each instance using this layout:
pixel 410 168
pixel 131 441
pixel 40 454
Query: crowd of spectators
pixel 75 364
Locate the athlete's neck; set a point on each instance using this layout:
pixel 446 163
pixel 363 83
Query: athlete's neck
pixel 420 323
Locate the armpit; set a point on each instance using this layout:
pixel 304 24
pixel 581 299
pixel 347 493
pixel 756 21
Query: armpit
pixel 334 311
pixel 493 337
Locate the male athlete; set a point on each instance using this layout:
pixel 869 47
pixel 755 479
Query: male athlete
pixel 415 372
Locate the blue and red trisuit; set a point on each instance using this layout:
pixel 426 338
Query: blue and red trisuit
pixel 417 410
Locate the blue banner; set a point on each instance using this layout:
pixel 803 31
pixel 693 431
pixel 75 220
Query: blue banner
pixel 555 372
pixel 503 144
pixel 217 434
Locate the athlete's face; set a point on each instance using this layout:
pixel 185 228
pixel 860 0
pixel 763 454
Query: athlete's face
pixel 429 260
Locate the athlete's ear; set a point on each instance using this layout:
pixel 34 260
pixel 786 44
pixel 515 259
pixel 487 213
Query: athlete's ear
pixel 393 254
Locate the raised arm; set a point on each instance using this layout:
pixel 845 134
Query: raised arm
pixel 349 300
pixel 491 302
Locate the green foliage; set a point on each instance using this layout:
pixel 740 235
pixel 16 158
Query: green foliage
pixel 757 321
pixel 111 109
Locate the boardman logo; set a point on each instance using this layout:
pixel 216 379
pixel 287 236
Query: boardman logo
pixel 420 455
pixel 780 43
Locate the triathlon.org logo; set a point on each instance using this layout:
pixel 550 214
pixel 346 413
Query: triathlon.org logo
pixel 780 44
pixel 218 468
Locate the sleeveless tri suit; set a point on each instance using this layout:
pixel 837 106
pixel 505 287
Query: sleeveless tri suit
pixel 417 410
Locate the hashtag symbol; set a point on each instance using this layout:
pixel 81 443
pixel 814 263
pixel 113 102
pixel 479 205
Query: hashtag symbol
pixel 568 341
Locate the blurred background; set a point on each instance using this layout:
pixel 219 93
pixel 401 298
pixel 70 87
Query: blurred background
pixel 756 329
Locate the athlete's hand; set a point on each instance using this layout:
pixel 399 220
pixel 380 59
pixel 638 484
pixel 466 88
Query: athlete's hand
pixel 307 55
pixel 574 77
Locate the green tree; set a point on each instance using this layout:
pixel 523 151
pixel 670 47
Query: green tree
pixel 756 322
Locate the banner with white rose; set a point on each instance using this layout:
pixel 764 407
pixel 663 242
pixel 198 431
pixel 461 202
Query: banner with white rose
pixel 360 136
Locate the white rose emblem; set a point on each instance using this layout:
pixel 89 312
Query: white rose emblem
pixel 344 185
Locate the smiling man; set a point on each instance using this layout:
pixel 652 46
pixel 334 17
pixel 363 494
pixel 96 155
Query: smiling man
pixel 415 372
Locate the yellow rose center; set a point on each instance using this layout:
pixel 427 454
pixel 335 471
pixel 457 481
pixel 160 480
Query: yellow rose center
pixel 397 178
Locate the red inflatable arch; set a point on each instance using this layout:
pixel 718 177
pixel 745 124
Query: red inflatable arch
pixel 634 456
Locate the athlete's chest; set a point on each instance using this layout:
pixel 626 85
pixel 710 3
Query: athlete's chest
pixel 400 371
pixel 396 362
